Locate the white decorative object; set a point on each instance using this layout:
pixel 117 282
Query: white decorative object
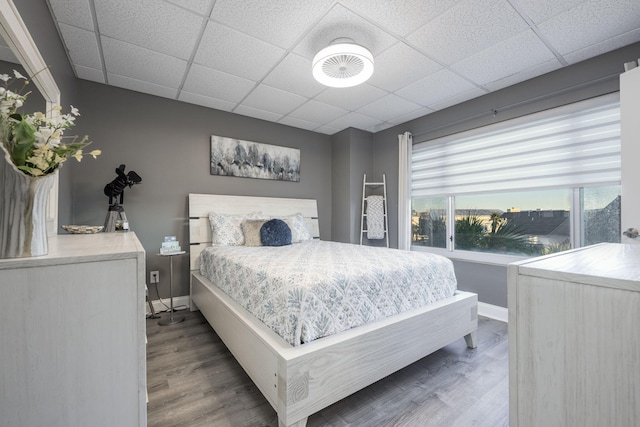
pixel 23 203
pixel 82 229
pixel 573 338
pixel 375 217
pixel 343 64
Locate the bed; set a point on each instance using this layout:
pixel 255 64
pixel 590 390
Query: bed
pixel 299 380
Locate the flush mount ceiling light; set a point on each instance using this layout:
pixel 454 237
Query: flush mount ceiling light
pixel 343 64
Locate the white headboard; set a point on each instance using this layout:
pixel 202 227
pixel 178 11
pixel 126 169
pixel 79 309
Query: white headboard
pixel 200 205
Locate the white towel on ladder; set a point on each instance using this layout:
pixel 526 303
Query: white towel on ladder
pixel 375 217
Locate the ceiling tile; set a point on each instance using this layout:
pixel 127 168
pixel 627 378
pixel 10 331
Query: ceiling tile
pixel 467 28
pixel 429 54
pixel 302 124
pixel 541 10
pixel 400 16
pixel 501 60
pixel 268 98
pixel 340 22
pixel 457 98
pixel 151 24
pixel 435 88
pixel 354 120
pixel 351 98
pixel 400 65
pixel 380 127
pixel 141 86
pixel 327 130
pixel 529 73
pixel 257 113
pixel 412 115
pixel 228 50
pixel 89 74
pixel 316 111
pixel 76 13
pixel 142 64
pixel 388 106
pixel 589 23
pixel 603 47
pixel 288 19
pixel 294 75
pixel 82 46
pixel 197 99
pixel 216 84
pixel 201 7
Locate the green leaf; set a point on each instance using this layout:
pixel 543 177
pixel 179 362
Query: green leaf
pixel 24 140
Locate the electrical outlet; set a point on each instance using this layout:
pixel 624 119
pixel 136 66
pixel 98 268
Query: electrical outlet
pixel 154 276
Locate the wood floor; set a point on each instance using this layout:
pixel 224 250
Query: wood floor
pixel 193 380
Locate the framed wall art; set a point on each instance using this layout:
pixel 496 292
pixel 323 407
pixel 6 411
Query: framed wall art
pixel 236 157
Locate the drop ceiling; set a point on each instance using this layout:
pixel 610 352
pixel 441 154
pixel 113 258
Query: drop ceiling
pixel 253 57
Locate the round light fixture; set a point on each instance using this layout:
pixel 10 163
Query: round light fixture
pixel 343 64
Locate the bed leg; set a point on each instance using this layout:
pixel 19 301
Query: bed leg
pixel 301 423
pixel 471 339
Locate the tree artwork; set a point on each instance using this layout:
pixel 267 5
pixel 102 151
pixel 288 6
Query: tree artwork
pixel 236 157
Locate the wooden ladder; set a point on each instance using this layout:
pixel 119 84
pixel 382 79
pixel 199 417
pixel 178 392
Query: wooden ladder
pixel 365 194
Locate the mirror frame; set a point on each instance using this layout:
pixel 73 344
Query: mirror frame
pixel 19 40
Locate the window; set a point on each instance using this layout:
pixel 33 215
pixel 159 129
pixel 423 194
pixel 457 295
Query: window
pixel 530 186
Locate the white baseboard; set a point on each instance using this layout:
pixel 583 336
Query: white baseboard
pixel 493 311
pixel 161 306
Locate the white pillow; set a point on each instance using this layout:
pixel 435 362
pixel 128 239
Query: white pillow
pixel 227 229
pixel 299 230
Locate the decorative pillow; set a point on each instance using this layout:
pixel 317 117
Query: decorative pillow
pixel 227 229
pixel 275 232
pixel 251 230
pixel 299 230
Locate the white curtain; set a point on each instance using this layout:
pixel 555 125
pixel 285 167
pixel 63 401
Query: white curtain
pixel 405 142
pixel 575 145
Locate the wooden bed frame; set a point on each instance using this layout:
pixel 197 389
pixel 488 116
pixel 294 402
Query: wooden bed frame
pixel 300 381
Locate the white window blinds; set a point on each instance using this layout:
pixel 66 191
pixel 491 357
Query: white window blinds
pixel 569 146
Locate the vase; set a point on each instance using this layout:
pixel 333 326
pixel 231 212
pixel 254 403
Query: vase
pixel 23 204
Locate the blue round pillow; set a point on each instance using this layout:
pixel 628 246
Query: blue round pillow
pixel 275 232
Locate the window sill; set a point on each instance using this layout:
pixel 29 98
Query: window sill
pixel 479 257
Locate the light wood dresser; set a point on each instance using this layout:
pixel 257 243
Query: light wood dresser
pixel 73 334
pixel 574 346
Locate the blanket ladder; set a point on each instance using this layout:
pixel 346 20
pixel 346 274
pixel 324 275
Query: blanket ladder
pixel 374 224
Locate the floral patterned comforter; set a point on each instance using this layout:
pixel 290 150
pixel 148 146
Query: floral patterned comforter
pixel 316 288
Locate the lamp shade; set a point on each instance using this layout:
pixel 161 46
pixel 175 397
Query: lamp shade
pixel 343 64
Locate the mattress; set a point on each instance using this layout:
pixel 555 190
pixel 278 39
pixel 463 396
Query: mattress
pixel 317 288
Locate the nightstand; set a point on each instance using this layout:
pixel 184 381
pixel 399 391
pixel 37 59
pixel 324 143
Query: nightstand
pixel 171 320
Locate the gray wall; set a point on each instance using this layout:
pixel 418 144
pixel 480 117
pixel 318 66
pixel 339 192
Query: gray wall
pixel 35 14
pixel 584 80
pixel 352 158
pixel 168 144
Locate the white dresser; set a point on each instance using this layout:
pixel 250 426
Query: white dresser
pixel 574 346
pixel 73 334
